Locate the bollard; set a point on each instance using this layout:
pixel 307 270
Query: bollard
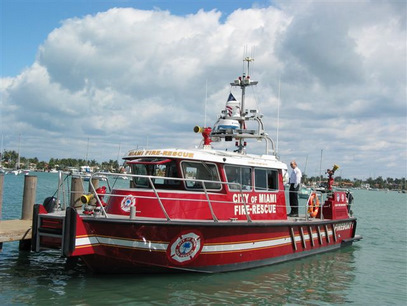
pixel 30 187
pixel 76 192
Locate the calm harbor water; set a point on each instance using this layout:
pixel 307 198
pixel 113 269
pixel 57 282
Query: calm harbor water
pixel 371 272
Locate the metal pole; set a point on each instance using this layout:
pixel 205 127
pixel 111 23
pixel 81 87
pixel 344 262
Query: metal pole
pixel 320 168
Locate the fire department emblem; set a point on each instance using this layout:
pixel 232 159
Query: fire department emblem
pixel 185 247
pixel 127 202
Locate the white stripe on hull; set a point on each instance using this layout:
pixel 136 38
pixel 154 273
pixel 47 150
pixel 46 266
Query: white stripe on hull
pixel 88 241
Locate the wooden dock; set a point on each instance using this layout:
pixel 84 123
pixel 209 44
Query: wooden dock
pixel 19 230
pixel 15 230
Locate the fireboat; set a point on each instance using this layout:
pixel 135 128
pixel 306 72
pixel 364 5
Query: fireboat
pixel 199 210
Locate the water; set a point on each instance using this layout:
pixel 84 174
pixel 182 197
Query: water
pixel 371 272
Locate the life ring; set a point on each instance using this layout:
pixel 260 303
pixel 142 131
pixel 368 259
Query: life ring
pixel 313 205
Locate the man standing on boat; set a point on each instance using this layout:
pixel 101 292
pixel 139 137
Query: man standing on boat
pixel 295 182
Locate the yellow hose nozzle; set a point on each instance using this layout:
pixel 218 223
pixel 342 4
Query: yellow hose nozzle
pixel 198 129
pixel 85 199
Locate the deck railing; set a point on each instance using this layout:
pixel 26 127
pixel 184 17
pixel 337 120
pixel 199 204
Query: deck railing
pixel 111 179
pixel 107 177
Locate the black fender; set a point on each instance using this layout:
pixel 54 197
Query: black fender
pixel 68 240
pixel 34 228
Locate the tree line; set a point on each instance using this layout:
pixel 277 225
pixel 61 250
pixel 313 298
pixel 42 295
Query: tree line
pixel 379 182
pixel 9 159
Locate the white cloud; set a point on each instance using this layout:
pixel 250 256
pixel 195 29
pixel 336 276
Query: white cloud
pixel 135 77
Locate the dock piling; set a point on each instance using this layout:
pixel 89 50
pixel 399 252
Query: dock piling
pixel 30 188
pixel 77 192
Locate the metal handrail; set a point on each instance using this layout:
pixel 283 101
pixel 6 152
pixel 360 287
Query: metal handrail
pixel 209 204
pixel 60 193
pixel 159 199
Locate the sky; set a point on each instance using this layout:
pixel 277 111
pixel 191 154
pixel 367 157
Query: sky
pixel 98 78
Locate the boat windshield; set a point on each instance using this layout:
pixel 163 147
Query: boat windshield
pixel 195 171
pixel 161 168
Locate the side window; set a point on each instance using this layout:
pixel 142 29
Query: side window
pixel 239 176
pixel 196 171
pixel 232 176
pixel 260 179
pixel 272 177
pixel 266 179
pixel 246 178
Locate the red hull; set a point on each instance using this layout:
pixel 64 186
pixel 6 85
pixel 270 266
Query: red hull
pixel 127 246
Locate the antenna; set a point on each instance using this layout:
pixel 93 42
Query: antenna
pixel 206 101
pixel 247 58
pixel 244 55
pixel 278 115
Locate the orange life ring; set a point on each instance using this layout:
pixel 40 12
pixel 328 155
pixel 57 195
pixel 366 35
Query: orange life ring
pixel 313 205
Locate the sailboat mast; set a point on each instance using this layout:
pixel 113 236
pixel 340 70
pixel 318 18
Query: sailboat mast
pixel 19 145
pixel 1 152
pixel 87 152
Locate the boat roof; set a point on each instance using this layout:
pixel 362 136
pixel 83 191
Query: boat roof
pixel 210 155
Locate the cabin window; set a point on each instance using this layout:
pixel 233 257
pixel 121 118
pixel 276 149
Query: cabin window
pixel 196 171
pixel 239 176
pixel 266 179
pixel 160 168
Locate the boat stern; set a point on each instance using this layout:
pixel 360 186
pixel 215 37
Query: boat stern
pixel 63 230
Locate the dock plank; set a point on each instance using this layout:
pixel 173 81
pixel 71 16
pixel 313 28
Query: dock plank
pixel 15 230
